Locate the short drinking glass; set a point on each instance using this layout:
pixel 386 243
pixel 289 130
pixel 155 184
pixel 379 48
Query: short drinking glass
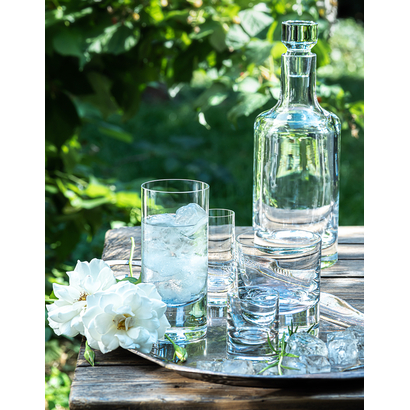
pixel 174 251
pixel 252 318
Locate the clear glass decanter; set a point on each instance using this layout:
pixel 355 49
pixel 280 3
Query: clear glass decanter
pixel 296 151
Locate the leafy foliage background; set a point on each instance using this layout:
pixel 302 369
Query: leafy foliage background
pixel 169 89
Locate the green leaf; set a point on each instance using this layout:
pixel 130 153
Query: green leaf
pixel 322 50
pixel 68 42
pixel 278 49
pixel 249 85
pixel 217 38
pixel 126 199
pixel 61 119
pixel 236 37
pixel 214 95
pixel 258 51
pixel 115 39
pixel 114 131
pixel 130 279
pixel 89 354
pixel 102 99
pixel 247 104
pixel 54 16
pixel 253 21
pixel 95 189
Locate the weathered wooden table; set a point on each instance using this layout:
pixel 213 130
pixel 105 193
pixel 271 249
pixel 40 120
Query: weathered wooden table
pixel 123 380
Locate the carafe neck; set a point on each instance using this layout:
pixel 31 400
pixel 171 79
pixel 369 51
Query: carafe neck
pixel 298 79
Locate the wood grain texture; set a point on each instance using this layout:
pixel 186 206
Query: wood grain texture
pixel 138 385
pixel 123 380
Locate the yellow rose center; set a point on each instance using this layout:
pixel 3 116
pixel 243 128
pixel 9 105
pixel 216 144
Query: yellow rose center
pixel 121 324
pixel 83 296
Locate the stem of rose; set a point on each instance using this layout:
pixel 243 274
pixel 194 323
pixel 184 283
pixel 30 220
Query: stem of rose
pixel 131 255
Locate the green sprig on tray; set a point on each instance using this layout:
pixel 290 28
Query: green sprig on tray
pixel 179 352
pixel 280 352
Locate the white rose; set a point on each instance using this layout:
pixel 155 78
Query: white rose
pixel 126 315
pixel 65 314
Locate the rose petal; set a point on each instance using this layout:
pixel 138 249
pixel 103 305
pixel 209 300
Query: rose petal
pixel 150 290
pixel 103 323
pixel 67 293
pixel 125 341
pixel 81 270
pixel 64 313
pixel 110 298
pixel 97 265
pixel 89 316
pixel 110 341
pixel 124 310
pixel 106 278
pixel 68 330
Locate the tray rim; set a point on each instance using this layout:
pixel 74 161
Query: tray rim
pixel 327 379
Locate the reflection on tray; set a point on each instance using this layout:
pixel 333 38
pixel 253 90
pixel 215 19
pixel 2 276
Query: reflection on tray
pixel 207 357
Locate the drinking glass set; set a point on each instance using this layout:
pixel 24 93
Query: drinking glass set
pixel 196 261
pixel 267 279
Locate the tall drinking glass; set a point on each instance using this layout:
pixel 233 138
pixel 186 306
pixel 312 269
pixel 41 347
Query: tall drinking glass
pixel 174 251
pixel 221 257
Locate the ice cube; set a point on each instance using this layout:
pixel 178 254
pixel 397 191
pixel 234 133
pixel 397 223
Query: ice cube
pixel 358 331
pixel 297 366
pixel 343 352
pixel 303 343
pixel 316 363
pixel 209 365
pixel 237 367
pixel 173 292
pixel 353 332
pixel 190 214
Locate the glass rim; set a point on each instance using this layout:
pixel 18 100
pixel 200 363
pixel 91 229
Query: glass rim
pixel 314 240
pixel 270 288
pixel 229 212
pixel 205 186
pixel 272 291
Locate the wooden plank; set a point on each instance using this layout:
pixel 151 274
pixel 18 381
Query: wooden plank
pixel 345 268
pixel 350 251
pixel 118 242
pixel 351 234
pixel 153 387
pixel 349 289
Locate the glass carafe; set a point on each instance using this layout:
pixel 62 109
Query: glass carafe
pixel 296 151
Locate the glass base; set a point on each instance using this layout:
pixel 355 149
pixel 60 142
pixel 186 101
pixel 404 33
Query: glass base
pixel 250 345
pixel 188 322
pixel 303 320
pixel 217 299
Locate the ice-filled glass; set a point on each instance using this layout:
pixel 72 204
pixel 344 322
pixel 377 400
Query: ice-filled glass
pixel 174 251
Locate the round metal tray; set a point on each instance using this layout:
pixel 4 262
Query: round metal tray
pixel 213 346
